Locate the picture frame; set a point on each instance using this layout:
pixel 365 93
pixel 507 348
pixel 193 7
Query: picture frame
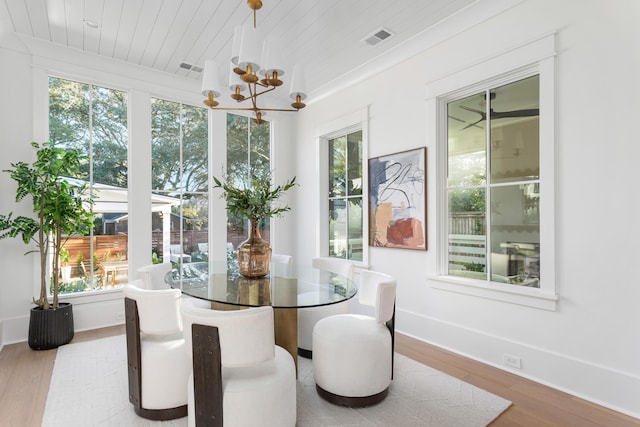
pixel 398 200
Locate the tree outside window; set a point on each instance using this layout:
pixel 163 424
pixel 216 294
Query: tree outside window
pixel 180 175
pixel 94 119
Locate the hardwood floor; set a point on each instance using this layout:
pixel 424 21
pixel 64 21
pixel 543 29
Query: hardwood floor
pixel 533 404
pixel 25 375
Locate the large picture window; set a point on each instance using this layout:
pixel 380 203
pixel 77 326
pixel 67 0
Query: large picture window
pixel 94 119
pixel 493 127
pixel 493 184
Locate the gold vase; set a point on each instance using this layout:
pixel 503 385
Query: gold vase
pixel 254 254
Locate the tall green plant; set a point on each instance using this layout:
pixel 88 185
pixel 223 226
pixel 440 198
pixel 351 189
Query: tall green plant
pixel 61 209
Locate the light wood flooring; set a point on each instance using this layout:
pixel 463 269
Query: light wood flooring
pixel 25 375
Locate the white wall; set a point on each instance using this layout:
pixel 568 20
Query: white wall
pixel 16 126
pixel 589 346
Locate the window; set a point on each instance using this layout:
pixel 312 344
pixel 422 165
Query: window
pixel 180 183
pixel 345 196
pixel 248 149
pixel 493 184
pixel 94 119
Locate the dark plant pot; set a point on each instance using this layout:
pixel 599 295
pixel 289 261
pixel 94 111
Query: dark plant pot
pixel 51 328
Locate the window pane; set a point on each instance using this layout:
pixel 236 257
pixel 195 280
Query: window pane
pixel 260 146
pixel 165 147
pixel 337 166
pixel 195 211
pixel 354 158
pixel 237 147
pixel 512 113
pixel 467 233
pixel 195 158
pixel 345 196
pixel 338 228
pixel 515 131
pixel 110 137
pixel 515 234
pixel 179 166
pixel 355 229
pixel 467 141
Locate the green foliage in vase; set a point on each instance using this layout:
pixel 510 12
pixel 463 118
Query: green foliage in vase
pixel 254 200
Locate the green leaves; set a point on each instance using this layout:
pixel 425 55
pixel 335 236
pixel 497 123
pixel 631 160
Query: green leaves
pixel 254 201
pixel 60 208
pixel 25 227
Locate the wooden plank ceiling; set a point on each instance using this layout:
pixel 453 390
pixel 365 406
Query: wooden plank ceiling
pixel 324 35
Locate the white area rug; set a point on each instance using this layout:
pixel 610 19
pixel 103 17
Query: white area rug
pixel 89 388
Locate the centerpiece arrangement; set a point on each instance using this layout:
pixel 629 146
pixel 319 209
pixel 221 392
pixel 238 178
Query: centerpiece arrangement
pixel 60 210
pixel 254 201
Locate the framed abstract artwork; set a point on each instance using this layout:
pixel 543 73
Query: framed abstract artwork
pixel 398 199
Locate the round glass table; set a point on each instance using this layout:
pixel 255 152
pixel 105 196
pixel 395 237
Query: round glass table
pixel 286 288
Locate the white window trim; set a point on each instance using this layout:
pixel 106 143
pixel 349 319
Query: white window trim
pixel 347 123
pixel 534 57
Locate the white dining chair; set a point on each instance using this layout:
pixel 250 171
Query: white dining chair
pixel 309 316
pixel 152 275
pixel 239 376
pixel 353 353
pixel 282 265
pixel 156 352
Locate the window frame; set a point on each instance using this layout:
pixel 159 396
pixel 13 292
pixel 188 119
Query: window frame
pixel 91 181
pixel 525 60
pixel 349 123
pixel 181 192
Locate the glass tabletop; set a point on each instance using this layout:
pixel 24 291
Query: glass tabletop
pixel 283 287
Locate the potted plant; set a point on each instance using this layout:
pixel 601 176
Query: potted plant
pixel 253 200
pixel 61 210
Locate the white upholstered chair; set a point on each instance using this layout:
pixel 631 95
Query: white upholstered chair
pixel 308 316
pixel 282 265
pixel 353 353
pixel 240 377
pixel 156 352
pixel 152 275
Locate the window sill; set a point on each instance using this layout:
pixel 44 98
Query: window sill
pixel 91 296
pixel 513 294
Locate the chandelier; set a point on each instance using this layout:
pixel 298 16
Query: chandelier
pixel 255 67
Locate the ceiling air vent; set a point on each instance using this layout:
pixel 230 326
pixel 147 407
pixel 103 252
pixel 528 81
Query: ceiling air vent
pixel 377 36
pixel 191 67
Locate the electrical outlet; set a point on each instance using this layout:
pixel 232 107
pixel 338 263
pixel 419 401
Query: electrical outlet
pixel 513 361
pixel 120 316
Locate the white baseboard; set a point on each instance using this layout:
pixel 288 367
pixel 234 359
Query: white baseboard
pixel 86 316
pixel 599 384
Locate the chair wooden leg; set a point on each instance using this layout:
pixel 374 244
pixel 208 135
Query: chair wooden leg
pixel 207 376
pixel 132 328
pixel 352 402
pixel 391 325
